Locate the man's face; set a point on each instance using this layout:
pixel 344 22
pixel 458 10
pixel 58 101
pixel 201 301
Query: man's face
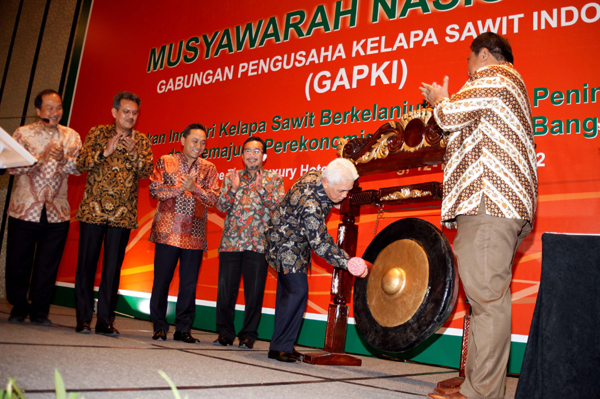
pixel 253 155
pixel 337 192
pixel 51 109
pixel 126 115
pixel 194 144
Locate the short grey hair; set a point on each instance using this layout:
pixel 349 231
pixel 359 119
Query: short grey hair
pixel 340 169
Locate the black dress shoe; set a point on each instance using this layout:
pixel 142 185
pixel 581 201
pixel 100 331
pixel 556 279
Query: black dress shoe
pixel 109 330
pixel 160 334
pixel 83 328
pixel 282 356
pixel 185 337
pixel 297 354
pixel 223 341
pixel 41 322
pixel 246 343
pixel 16 319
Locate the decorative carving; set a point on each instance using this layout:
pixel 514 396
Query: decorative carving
pixel 406 193
pixel 380 150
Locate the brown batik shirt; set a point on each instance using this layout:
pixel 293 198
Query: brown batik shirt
pixel 111 188
pixel 491 149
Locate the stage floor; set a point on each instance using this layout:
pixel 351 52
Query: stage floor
pixel 127 367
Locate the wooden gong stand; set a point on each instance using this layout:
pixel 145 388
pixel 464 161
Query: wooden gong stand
pixel 415 141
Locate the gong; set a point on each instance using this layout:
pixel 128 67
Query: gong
pixel 411 288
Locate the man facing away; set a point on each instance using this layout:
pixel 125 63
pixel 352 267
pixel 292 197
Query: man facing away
pixel 39 212
pixel 248 196
pixel 490 196
pixel 185 185
pixel 298 225
pixel 116 157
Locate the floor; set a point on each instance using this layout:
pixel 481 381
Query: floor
pixel 127 367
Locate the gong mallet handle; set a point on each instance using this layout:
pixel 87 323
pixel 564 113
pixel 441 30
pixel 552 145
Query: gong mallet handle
pixel 359 267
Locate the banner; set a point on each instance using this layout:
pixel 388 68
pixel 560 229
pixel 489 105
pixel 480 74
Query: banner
pixel 303 74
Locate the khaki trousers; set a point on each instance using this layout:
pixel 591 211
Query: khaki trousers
pixel 485 247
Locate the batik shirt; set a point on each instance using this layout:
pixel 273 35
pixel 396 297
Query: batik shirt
pixel 298 224
pixel 181 215
pixel 248 211
pixel 491 149
pixel 44 183
pixel 111 188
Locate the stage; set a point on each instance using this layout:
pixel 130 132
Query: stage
pixel 99 367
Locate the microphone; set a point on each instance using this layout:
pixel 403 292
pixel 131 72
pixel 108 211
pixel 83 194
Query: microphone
pixel 45 120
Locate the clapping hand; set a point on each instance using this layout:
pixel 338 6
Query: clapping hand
pixel 434 91
pixel 258 184
pixel 234 179
pixel 129 142
pixel 112 144
pixel 187 182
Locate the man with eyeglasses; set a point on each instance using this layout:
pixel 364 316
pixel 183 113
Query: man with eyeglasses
pixel 116 157
pixel 247 196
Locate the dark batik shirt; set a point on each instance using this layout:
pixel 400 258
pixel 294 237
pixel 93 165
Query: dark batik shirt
pixel 111 188
pixel 248 211
pixel 298 225
pixel 180 219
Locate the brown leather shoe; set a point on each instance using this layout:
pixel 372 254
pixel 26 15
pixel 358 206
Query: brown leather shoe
pixel 446 390
pixel 282 356
pixel 456 395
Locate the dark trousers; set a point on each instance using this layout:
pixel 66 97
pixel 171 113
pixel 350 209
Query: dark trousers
pixel 252 266
pixel 165 261
pixel 37 246
pixel 292 294
pixel 115 241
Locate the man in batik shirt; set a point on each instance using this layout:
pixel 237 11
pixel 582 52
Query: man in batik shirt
pixel 116 157
pixel 490 195
pixel 248 196
pixel 184 185
pixel 298 225
pixel 39 212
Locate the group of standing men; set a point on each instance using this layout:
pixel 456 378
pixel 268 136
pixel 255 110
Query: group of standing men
pixel 490 195
pixel 116 157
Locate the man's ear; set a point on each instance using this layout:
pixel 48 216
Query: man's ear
pixel 264 157
pixel 114 112
pixel 484 53
pixel 324 182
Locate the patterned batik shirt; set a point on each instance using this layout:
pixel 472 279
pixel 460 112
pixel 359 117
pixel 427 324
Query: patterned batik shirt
pixel 298 224
pixel 44 183
pixel 491 149
pixel 111 188
pixel 248 211
pixel 180 219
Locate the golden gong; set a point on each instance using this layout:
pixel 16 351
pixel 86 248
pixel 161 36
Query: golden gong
pixel 398 282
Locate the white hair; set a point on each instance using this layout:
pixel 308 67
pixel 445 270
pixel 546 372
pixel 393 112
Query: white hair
pixel 340 169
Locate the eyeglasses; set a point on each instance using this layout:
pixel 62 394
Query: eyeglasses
pixel 254 151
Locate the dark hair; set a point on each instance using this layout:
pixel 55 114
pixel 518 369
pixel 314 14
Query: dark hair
pixel 125 95
pixel 39 99
pixel 254 138
pixel 496 45
pixel 186 131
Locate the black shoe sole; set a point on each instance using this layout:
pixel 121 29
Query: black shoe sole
pixel 86 331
